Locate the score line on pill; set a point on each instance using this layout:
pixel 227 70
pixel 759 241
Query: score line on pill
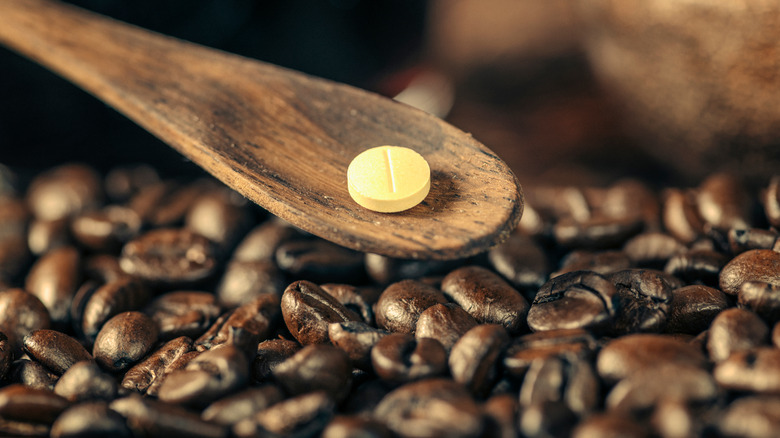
pixel 389 179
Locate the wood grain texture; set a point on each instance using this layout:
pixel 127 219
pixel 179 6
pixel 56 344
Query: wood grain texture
pixel 281 138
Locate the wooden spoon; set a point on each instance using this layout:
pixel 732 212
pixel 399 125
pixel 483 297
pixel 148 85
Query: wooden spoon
pixel 281 138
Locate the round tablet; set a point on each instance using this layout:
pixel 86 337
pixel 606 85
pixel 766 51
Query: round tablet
pixel 389 179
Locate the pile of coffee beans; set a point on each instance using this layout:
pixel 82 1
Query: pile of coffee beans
pixel 132 304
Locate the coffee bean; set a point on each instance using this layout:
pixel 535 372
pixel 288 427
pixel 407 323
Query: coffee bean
pixel 46 235
pixel 179 363
pixel 776 335
pixel 756 370
pixel 124 340
pixel 21 403
pixel 304 415
pixel 558 379
pixel 752 416
pixel 270 354
pixel 762 298
pixel 745 239
pixel 681 216
pixel 693 308
pixel 399 357
pixel 697 265
pixel 501 415
pixel 356 339
pixel 166 204
pixel 221 215
pixel 602 262
pixel 320 261
pixel 521 261
pixel 358 300
pixel 579 299
pixel 90 419
pixel 652 249
pixel 106 229
pixel 85 381
pixel 54 279
pixel 564 342
pixel 169 256
pixel 55 350
pixel 183 313
pixel 64 191
pixel 673 419
pixel 343 426
pixel 548 419
pixel 646 387
pixel 755 265
pixel 121 295
pixel 244 281
pixel 625 356
pixel 474 359
pixel 143 374
pixel 260 244
pixel 308 310
pixel 771 201
pixel 644 298
pixel 632 198
pixel 154 419
pixel 444 322
pixel 723 202
pixel 103 268
pixel 596 232
pixel 609 425
pixel 20 314
pixel 14 257
pixel 234 408
pixel 255 318
pixel 32 375
pixel 735 330
pixel 401 304
pixel 122 182
pixel 386 270
pixel 316 367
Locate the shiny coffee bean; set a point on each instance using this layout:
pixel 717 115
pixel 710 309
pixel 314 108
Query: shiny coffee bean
pixel 762 298
pixel 609 425
pixel 625 356
pixel 386 270
pixel 64 191
pixel 524 350
pixel 124 340
pixel 166 203
pixel 474 359
pixel 183 313
pixel 356 339
pixel 221 215
pixel 681 216
pixel 316 367
pixel 260 243
pixel 234 408
pixel 46 235
pixel 756 265
pixel 55 350
pixel 673 419
pixel 633 199
pixel 521 261
pixel 151 418
pixel 644 298
pixel 650 385
pixel 91 419
pixel 21 403
pixel 752 416
pixel 122 182
pixel 106 229
pixel 735 330
pixel 697 266
pixel 401 304
pixel 269 355
pixel 121 295
pixel 399 357
pixel 32 375
pixel 602 262
pixel 304 415
pixel 652 248
pixel 86 381
pixel 319 261
pixel 169 256
pixel 20 314
pixel 256 318
pixel 103 268
pixel 157 364
pixel 771 201
pixel 345 427
pixel 549 419
pixel 444 322
pixel 54 279
pixel 693 308
pixel 308 310
pixel 358 300
pixel 745 239
pixel 723 202
pixel 756 370
pixel 179 363
pixel 244 281
pixel 579 299
pixel 501 414
pixel 557 379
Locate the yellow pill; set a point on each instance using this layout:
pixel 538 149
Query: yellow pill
pixel 389 179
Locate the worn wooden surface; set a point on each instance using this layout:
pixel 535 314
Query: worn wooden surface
pixel 281 138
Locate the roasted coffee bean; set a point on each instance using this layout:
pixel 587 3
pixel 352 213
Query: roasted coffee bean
pixel 681 216
pixel 633 198
pixel 549 419
pixel 179 363
pixel 209 376
pixel 673 419
pixel 366 396
pixel 141 376
pixel 762 298
pixel 21 403
pixel 166 204
pixel 54 279
pixel 579 299
pixel 602 262
pixel 558 379
pixel 501 414
pixel 399 357
pixel 609 425
pixel 756 370
pixel 735 330
pixel 444 322
pixel 304 415
pixel 55 350
pixel 745 239
pixel 221 215
pixel 234 408
pixel 644 298
pixel 260 244
pixel 20 314
pixel 320 261
pixel 697 265
pixel 255 318
pixel 756 265
pixel 521 261
pixel 693 308
pixel 14 257
pixel 270 354
pixel 751 417
pixel 525 349
pixel 356 339
pixel 431 407
pixel 46 235
pixel 183 313
pixel 596 232
pixel 244 281
pixel 64 191
pixel 124 340
pixel 32 375
pixel 86 381
pixel 386 270
pixel 625 356
pixel 103 268
pixel 92 419
pixel 308 310
pixel 154 419
pixel 559 202
pixel 401 304
pixel 121 295
pixel 646 387
pixel 352 427
pixel 122 182
pixel 169 256
pixel 723 202
pixel 474 359
pixel 771 201
pixel 106 229
pixel 652 249
pixel 487 297
pixel 358 300
pixel 316 367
